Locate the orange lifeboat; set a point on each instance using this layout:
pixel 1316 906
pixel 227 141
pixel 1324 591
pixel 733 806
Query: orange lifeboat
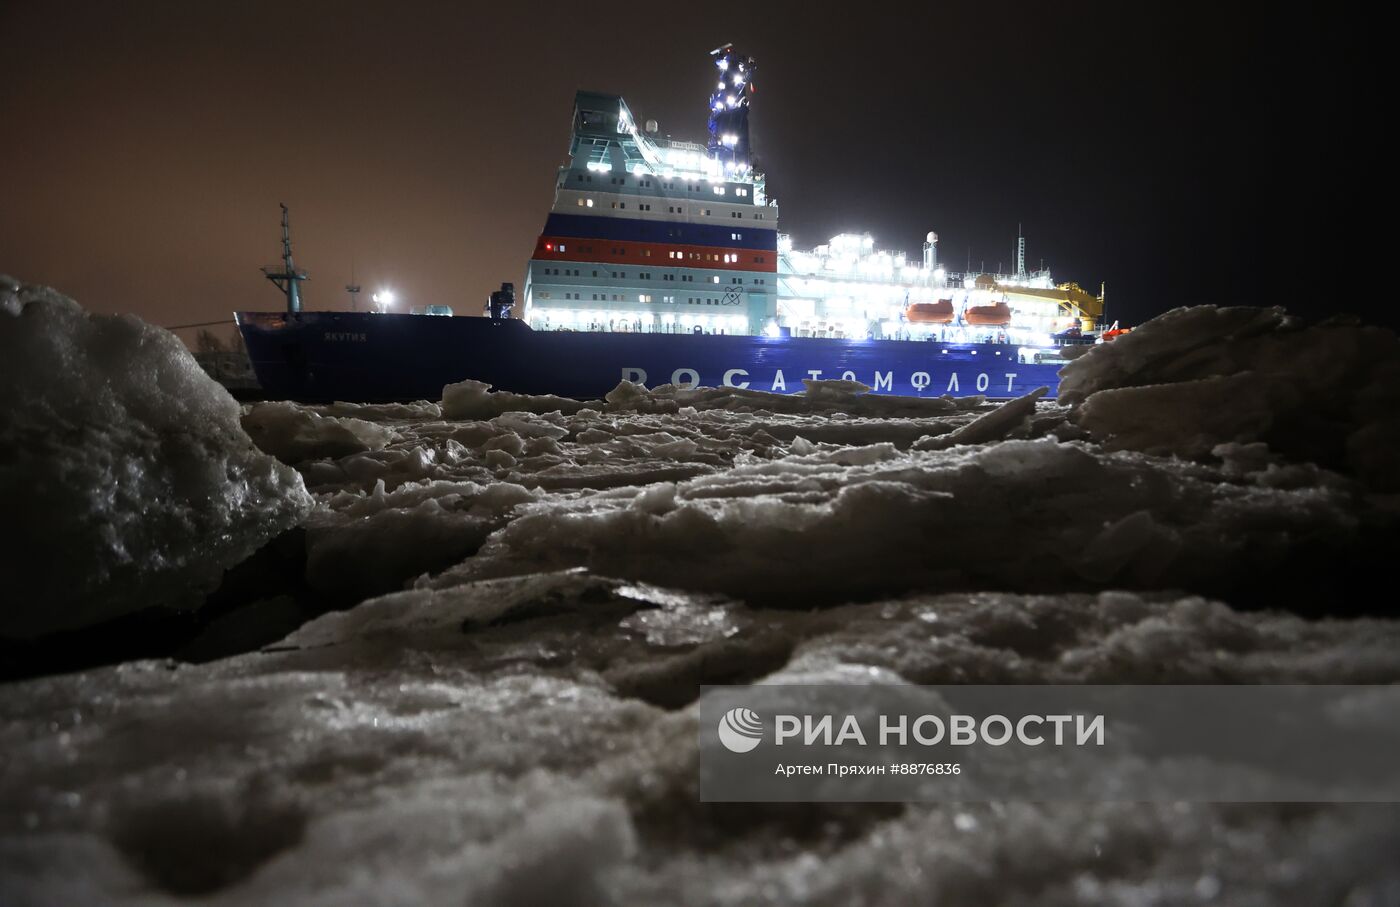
pixel 940 312
pixel 995 314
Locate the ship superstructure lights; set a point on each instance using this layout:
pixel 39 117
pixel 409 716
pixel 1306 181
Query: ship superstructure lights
pixel 383 300
pixel 728 108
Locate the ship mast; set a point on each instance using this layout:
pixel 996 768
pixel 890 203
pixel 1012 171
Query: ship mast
pixel 729 109
pixel 286 277
pixel 1020 254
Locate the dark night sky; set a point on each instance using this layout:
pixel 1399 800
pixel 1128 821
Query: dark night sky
pixel 1182 154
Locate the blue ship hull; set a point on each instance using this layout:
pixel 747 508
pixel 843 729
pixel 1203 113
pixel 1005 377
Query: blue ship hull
pixel 363 357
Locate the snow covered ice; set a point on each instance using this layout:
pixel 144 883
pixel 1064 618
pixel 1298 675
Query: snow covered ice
pixel 530 592
pixel 126 478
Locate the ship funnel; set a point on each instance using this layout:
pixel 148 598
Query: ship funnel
pixel 931 251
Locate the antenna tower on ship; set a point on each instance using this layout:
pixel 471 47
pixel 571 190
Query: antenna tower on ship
pixel 1020 254
pixel 285 276
pixel 729 108
pixel 352 288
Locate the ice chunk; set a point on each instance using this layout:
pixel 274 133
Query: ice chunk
pixel 294 433
pixel 135 482
pixel 362 545
pixel 1192 379
pixel 869 521
pixel 1000 423
pixel 475 400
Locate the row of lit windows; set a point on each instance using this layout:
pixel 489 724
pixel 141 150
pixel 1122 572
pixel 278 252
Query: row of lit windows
pixel 645 275
pixel 646 183
pixel 644 297
pixel 620 251
pixel 670 209
pixel 737 281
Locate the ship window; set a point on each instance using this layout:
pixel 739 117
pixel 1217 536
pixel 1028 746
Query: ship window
pixel 561 247
pixel 714 278
pixel 668 299
pixel 595 273
pixel 644 297
pixel 589 202
pixel 544 295
pixel 595 297
pixel 646 253
pixel 578 177
pixel 719 190
pixel 758 217
pixel 741 192
pixel 580 203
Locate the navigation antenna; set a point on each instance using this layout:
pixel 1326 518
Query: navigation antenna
pixel 1020 254
pixel 285 276
pixel 352 288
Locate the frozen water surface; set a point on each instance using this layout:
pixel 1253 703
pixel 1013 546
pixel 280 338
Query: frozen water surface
pixel 532 591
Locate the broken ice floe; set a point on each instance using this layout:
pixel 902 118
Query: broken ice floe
pixel 514 721
pixel 1195 378
pixel 533 738
pixel 127 478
